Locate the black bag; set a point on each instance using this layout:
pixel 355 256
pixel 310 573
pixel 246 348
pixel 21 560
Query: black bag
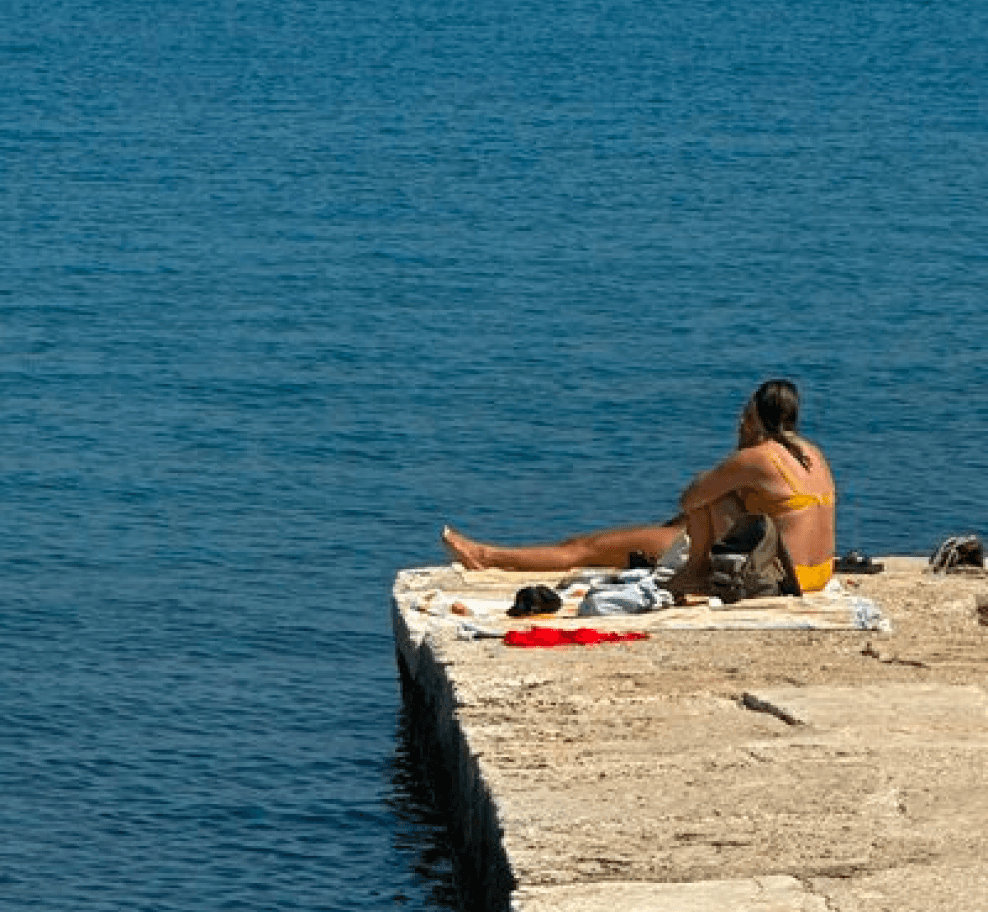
pixel 750 561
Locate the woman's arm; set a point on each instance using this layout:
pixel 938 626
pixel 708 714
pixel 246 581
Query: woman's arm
pixel 741 470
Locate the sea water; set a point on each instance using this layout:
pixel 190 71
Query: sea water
pixel 285 286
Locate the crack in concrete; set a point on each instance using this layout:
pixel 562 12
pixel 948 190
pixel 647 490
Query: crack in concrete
pixel 750 701
pixel 829 903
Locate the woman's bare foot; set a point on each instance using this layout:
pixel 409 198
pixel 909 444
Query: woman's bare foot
pixel 469 552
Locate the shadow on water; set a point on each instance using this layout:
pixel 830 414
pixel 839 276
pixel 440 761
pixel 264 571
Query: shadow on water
pixel 421 835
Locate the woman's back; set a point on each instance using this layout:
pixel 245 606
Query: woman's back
pixel 799 499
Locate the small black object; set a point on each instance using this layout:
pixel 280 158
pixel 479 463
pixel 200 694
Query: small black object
pixel 856 562
pixel 535 600
pixel 639 560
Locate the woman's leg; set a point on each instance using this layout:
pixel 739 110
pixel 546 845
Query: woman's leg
pixel 609 548
pixel 704 526
pixel 700 528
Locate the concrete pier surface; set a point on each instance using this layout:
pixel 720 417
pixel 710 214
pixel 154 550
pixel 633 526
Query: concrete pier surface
pixel 710 767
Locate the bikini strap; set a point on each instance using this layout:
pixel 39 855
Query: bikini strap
pixel 785 475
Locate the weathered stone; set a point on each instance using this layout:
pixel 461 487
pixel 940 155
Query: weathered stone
pixel 626 775
pixel 757 894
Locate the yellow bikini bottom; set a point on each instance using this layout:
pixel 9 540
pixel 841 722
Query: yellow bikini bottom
pixel 812 579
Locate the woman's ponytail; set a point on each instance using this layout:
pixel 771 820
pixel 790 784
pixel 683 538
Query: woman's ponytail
pixel 777 407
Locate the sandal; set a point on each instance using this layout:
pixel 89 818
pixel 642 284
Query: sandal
pixel 856 562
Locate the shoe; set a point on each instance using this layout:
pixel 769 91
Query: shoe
pixel 535 600
pixel 856 562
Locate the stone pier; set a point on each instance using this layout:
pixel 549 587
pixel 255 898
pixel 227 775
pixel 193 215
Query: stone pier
pixel 771 756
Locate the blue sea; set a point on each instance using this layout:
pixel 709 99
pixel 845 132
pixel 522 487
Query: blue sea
pixel 284 286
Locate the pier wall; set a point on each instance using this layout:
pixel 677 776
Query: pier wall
pixel 483 872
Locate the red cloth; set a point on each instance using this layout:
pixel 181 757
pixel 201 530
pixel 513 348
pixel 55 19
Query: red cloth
pixel 547 637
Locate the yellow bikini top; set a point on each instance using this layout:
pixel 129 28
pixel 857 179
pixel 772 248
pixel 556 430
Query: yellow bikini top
pixel 757 502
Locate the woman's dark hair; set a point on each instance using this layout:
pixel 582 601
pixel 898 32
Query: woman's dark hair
pixel 777 406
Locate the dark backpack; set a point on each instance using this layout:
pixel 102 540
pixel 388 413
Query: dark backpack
pixel 750 561
pixel 958 551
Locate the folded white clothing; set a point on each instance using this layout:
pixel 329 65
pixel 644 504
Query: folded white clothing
pixel 635 593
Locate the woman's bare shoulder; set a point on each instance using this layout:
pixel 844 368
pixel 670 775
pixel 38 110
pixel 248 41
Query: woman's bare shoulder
pixel 761 454
pixel 755 465
pixel 816 454
pixel 818 462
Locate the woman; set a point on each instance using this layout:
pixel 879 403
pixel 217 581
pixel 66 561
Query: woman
pixel 774 471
